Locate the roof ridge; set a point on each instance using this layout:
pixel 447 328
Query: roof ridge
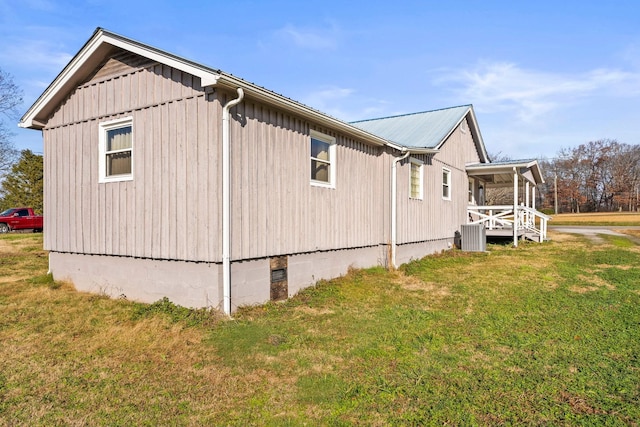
pixel 411 114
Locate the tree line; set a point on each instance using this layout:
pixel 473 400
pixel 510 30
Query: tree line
pixel 21 172
pixel 599 176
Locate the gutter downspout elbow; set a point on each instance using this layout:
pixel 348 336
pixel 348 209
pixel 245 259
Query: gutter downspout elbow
pixel 226 203
pixel 394 208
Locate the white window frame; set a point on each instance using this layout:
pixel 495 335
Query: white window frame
pixel 331 162
pixel 420 165
pixel 446 184
pixel 102 162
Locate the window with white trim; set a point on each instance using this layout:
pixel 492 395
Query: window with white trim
pixel 415 183
pixel 323 159
pixel 116 150
pixel 446 184
pixel 472 184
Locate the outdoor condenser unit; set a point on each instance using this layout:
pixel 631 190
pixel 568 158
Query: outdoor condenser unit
pixel 474 238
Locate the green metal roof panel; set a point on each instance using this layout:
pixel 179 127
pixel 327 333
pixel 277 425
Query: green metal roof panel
pixel 424 130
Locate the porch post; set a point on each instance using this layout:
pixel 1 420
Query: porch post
pixel 526 203
pixel 533 196
pixel 515 208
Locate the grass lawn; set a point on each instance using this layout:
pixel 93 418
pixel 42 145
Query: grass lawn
pixel 543 334
pixel 597 218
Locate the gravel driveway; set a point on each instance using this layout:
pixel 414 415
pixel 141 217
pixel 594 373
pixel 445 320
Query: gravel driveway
pixel 592 231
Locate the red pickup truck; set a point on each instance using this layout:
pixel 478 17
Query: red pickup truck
pixel 20 219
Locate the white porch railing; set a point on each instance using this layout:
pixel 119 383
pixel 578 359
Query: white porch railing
pixel 501 217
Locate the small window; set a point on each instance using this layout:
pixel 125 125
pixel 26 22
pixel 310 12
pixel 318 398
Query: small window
pixel 472 199
pixel 446 184
pixel 323 159
pixel 116 150
pixel 416 179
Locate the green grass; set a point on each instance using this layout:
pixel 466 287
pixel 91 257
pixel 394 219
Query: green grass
pixel 543 334
pixel 597 219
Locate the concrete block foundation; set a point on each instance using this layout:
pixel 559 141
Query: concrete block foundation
pixel 199 284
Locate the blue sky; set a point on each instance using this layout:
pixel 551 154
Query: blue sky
pixel 541 75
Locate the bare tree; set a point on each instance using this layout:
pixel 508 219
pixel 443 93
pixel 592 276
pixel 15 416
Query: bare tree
pixel 10 99
pixel 625 177
pixel 601 175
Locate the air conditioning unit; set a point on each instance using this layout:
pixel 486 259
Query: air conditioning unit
pixel 474 238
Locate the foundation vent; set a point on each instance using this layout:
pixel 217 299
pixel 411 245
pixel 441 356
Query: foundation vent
pixel 279 279
pixel 278 275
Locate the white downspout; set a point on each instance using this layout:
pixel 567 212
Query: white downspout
pixel 226 203
pixel 394 207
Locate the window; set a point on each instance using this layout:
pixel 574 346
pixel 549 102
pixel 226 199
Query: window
pixel 116 150
pixel 415 189
pixel 323 159
pixel 446 184
pixel 471 187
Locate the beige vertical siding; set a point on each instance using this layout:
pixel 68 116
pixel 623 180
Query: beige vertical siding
pixel 275 208
pixel 170 209
pixel 432 217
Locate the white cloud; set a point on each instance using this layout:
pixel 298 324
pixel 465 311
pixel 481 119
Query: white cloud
pixel 631 54
pixel 39 53
pixel 328 100
pixel 311 38
pixel 330 94
pixel 344 103
pixel 531 94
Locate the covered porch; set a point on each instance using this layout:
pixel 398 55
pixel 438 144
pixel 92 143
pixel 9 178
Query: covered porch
pixel 518 220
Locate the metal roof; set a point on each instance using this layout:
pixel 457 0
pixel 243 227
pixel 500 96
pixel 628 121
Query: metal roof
pixel 501 173
pixel 427 129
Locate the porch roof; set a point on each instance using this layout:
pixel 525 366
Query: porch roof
pixel 500 174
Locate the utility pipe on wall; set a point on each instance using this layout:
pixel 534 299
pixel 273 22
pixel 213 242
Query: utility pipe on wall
pixel 394 207
pixel 226 203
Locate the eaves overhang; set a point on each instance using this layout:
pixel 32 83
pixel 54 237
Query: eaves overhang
pixel 475 130
pixel 89 57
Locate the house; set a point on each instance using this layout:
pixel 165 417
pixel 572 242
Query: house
pixel 164 177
